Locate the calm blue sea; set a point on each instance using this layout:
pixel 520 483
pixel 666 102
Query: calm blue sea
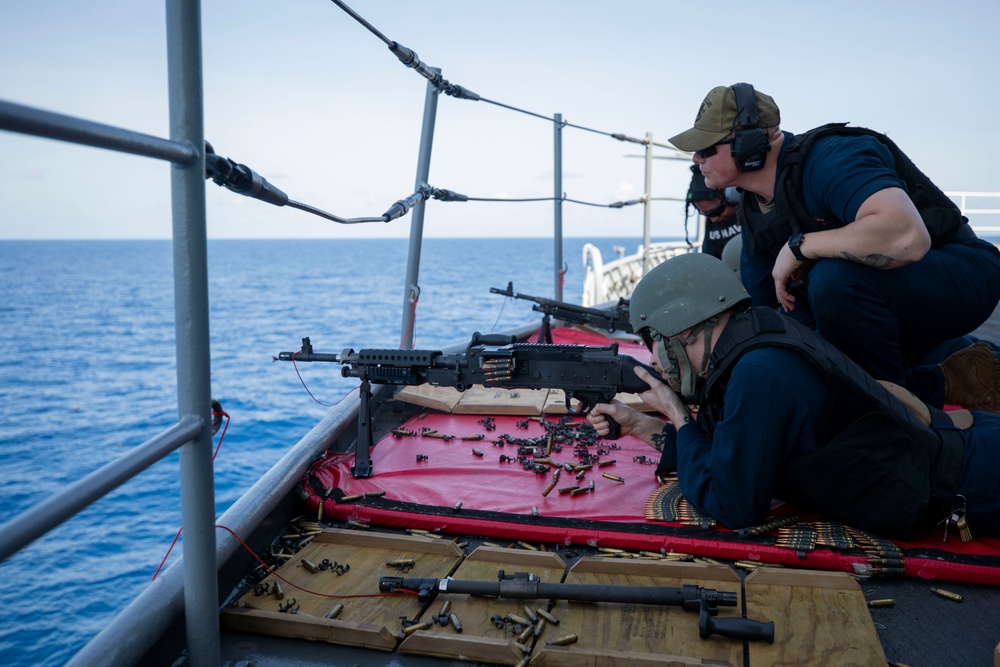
pixel 87 371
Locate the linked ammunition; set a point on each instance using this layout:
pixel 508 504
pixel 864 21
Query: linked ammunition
pixel 335 612
pixel 562 641
pixel 947 594
pixel 613 478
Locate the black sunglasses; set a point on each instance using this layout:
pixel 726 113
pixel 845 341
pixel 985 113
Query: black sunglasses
pixel 712 150
pixel 649 337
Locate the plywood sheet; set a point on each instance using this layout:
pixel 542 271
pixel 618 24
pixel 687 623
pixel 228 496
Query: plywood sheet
pixel 611 633
pixel 820 618
pixel 368 619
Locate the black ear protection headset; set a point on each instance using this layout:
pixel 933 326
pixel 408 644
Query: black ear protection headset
pixel 750 143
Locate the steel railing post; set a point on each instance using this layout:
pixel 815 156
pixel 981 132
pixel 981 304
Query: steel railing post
pixel 411 289
pixel 557 212
pixel 184 70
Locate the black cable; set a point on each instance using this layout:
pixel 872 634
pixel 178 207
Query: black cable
pixel 409 58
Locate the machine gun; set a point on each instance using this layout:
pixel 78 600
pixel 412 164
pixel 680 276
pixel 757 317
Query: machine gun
pixel 587 374
pixel 526 586
pixel 613 320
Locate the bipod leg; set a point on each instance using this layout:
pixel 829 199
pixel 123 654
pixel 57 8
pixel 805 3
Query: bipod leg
pixel 362 452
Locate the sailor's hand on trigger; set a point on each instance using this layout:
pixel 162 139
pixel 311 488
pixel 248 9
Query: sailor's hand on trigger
pixel 786 270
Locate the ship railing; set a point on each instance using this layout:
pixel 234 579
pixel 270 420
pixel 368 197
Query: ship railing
pixel 192 434
pixel 607 282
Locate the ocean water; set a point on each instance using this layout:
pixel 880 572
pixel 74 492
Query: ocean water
pixel 87 371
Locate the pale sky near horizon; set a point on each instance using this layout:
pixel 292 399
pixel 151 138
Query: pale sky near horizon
pixel 316 104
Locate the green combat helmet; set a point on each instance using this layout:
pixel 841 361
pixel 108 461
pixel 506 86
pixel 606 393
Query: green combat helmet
pixel 731 253
pixel 685 292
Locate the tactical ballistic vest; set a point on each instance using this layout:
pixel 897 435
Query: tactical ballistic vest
pixel 769 231
pixel 875 465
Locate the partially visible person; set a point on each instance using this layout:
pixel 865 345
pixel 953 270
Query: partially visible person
pixel 784 414
pixel 719 209
pixel 843 233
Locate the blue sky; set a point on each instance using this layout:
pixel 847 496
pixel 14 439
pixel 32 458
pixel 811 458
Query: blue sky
pixel 315 103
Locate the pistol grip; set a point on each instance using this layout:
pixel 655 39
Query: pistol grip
pixel 615 429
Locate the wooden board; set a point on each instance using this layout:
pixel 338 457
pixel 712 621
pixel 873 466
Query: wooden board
pixel 481 639
pixel 617 634
pixel 820 618
pixel 498 401
pixel 367 620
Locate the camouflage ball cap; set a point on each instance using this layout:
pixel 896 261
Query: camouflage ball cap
pixel 717 115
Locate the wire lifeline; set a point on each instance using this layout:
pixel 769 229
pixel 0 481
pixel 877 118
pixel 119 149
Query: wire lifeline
pixel 409 58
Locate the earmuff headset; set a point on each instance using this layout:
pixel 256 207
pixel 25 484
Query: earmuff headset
pixel 750 143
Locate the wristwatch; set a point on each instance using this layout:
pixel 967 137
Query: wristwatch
pixel 795 245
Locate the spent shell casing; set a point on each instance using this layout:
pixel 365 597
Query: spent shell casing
pixel 445 608
pixel 548 489
pixel 520 620
pixel 529 547
pixel 335 612
pixel 526 634
pixel 477 436
pixel 279 593
pixel 534 510
pixel 532 616
pixel 547 616
pixel 409 630
pixel 319 511
pixel 605 463
pixel 347 499
pixel 885 602
pixel 311 566
pixel 947 594
pixel 476 452
pixel 613 478
pixel 397 562
pixel 568 489
pixel 579 491
pixel 457 506
pixel 454 622
pixel 374 494
pixel 562 641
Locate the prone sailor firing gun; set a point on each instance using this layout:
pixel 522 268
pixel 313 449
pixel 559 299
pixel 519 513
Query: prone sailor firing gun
pixel 587 374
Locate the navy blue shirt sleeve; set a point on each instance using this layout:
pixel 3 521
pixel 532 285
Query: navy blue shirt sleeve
pixel 772 403
pixel 842 172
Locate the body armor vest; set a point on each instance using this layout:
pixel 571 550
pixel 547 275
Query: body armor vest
pixel 769 231
pixel 873 465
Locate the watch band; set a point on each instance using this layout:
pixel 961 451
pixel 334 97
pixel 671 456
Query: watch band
pixel 795 245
